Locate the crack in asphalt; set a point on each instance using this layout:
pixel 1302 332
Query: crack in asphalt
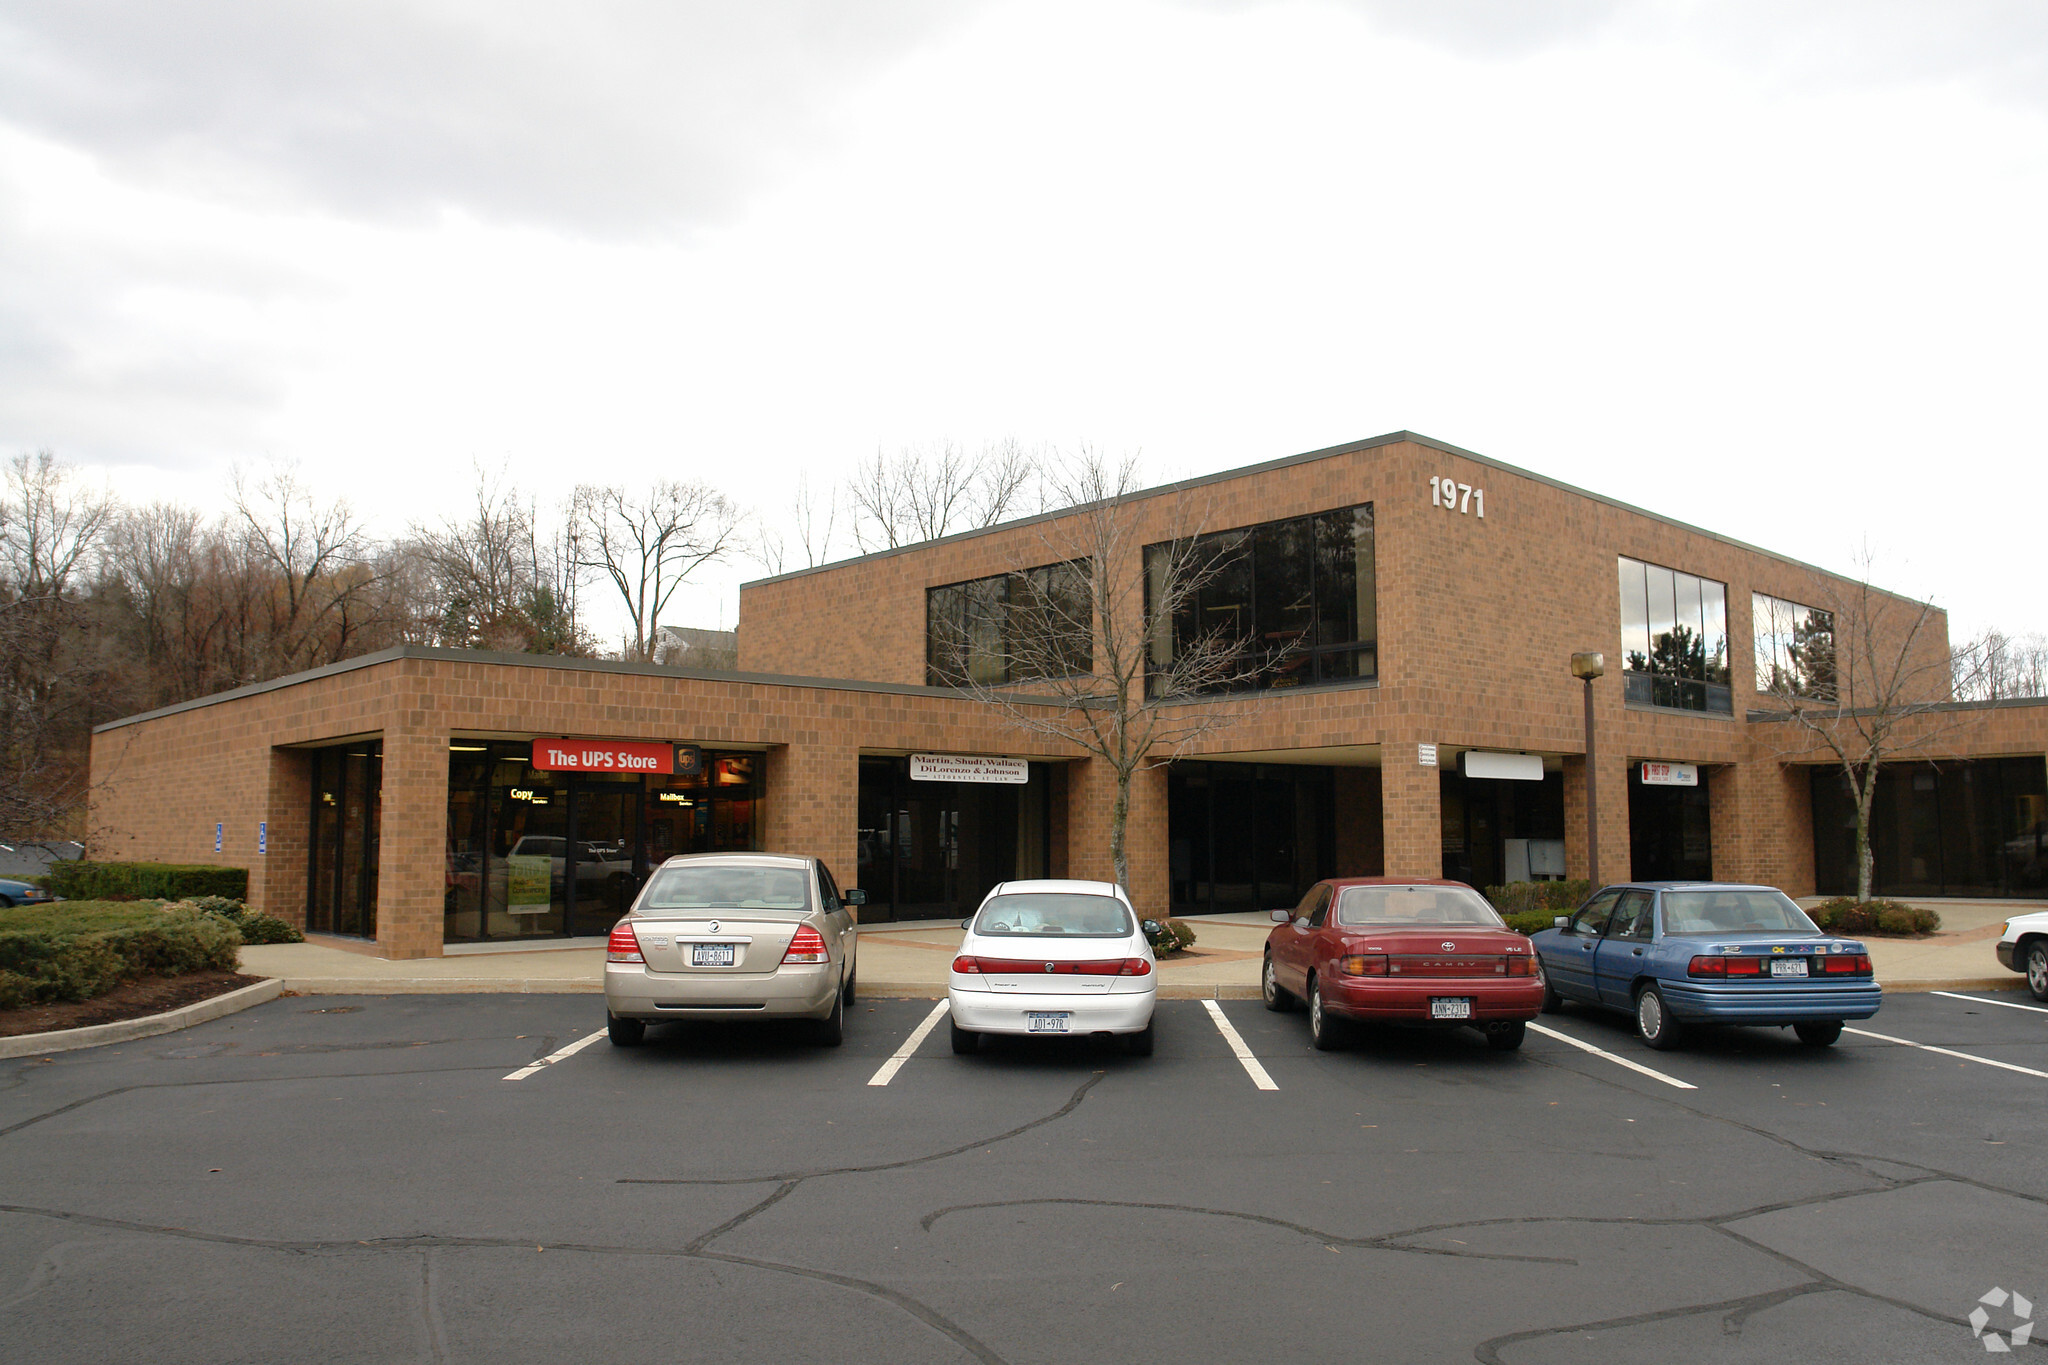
pixel 95 1098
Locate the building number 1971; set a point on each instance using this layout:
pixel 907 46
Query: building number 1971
pixel 1453 496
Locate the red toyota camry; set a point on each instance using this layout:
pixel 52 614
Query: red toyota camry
pixel 1406 952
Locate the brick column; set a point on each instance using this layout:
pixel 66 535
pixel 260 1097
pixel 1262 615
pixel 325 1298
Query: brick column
pixel 812 805
pixel 412 856
pixel 1411 820
pixel 1762 813
pixel 277 878
pixel 1091 799
pixel 1614 848
pixel 1361 850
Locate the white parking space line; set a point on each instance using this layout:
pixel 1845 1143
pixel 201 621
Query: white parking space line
pixel 557 1055
pixel 1980 1000
pixel 1929 1047
pixel 1244 1054
pixel 910 1045
pixel 1618 1061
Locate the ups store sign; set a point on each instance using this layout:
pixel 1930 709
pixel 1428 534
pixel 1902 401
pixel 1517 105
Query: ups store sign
pixel 615 756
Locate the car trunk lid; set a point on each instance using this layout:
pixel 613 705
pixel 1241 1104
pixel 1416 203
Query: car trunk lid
pixel 703 943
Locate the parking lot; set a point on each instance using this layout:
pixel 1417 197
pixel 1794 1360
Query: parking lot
pixel 453 1179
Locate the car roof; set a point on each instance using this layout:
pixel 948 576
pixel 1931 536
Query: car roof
pixel 1693 886
pixel 1341 882
pixel 739 860
pixel 1068 885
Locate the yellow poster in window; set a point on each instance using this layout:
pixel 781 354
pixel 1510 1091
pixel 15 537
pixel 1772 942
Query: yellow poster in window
pixel 527 889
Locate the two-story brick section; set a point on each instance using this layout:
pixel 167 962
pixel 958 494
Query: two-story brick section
pixel 1403 615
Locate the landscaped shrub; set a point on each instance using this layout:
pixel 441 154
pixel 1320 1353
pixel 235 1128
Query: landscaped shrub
pixel 1171 935
pixel 1547 898
pixel 1529 921
pixel 76 950
pixel 254 927
pixel 1843 915
pixel 82 880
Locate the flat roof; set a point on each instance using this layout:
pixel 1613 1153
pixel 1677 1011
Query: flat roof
pixel 1308 457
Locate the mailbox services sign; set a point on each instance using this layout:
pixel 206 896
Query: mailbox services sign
pixel 968 768
pixel 1671 775
pixel 602 756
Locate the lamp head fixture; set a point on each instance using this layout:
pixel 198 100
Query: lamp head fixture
pixel 1588 666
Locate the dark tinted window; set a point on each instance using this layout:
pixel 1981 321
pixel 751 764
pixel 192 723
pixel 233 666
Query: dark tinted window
pixel 1016 627
pixel 1592 916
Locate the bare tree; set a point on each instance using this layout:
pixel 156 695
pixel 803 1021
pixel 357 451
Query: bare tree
pixel 647 545
pixel 815 523
pixel 1863 676
pixel 923 494
pixel 1086 641
pixel 1996 666
pixel 316 557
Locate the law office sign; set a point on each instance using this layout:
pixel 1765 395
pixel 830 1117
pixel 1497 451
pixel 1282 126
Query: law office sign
pixel 602 756
pixel 1671 774
pixel 968 768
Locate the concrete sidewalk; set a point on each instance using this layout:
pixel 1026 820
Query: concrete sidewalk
pixel 910 960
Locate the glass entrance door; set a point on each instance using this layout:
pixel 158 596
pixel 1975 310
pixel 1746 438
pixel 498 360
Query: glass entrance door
pixel 605 870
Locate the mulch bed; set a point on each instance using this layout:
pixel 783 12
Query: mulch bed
pixel 131 1000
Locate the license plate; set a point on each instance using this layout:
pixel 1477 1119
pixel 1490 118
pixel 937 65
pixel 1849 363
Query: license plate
pixel 1458 1008
pixel 1036 1022
pixel 712 954
pixel 1788 966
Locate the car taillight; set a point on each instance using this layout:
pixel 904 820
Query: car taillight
pixel 1522 966
pixel 623 945
pixel 967 965
pixel 1363 964
pixel 1845 964
pixel 1705 966
pixel 1135 966
pixel 807 945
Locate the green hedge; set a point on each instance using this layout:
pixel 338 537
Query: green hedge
pixel 1529 921
pixel 82 880
pixel 1545 898
pixel 79 949
pixel 1843 915
pixel 254 927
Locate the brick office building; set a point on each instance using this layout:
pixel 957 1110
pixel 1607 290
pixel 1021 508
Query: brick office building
pixel 1409 608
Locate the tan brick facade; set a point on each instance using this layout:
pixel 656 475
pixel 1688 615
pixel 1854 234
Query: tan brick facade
pixel 1476 620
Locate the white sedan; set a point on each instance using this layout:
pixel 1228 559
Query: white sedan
pixel 1054 957
pixel 2023 947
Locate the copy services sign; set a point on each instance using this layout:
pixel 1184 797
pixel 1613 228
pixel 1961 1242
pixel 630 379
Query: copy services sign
pixel 602 756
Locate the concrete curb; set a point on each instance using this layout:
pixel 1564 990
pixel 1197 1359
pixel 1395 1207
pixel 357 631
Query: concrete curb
pixel 1960 983
pixel 126 1030
pixel 443 985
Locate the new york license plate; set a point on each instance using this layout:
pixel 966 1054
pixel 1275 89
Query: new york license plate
pixel 712 954
pixel 1456 1007
pixel 1788 966
pixel 1043 1022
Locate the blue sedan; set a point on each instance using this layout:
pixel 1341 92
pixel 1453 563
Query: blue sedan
pixel 22 893
pixel 1675 954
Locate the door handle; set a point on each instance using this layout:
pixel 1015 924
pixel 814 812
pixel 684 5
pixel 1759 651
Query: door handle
pixel 1638 952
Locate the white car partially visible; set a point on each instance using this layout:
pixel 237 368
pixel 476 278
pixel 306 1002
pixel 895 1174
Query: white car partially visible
pixel 1054 958
pixel 2023 947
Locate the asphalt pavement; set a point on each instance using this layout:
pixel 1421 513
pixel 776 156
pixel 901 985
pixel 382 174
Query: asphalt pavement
pixel 484 1178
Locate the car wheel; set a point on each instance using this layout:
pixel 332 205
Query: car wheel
pixel 1277 999
pixel 1553 1003
pixel 2037 969
pixel 1820 1034
pixel 624 1032
pixel 966 1042
pixel 831 1030
pixel 6 902
pixel 1506 1037
pixel 1139 1044
pixel 1654 1024
pixel 1325 1030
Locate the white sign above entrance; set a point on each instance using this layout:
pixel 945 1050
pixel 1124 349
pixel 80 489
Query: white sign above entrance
pixel 968 768
pixel 1508 767
pixel 1671 775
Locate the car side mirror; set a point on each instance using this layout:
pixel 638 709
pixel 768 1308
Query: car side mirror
pixel 967 923
pixel 1562 922
pixel 1282 916
pixel 854 896
pixel 1151 926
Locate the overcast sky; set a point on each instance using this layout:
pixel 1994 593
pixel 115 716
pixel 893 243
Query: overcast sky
pixel 1778 269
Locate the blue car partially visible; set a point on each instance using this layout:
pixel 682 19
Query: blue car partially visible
pixel 22 893
pixel 1680 954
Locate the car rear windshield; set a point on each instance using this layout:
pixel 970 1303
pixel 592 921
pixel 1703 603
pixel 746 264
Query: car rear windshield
pixel 1068 914
pixel 1399 907
pixel 1734 912
pixel 728 888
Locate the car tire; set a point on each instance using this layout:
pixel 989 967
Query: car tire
pixel 624 1032
pixel 1654 1024
pixel 1139 1044
pixel 2037 969
pixel 1553 1003
pixel 1819 1034
pixel 831 1030
pixel 1506 1037
pixel 1270 990
pixel 1326 1032
pixel 6 902
pixel 966 1042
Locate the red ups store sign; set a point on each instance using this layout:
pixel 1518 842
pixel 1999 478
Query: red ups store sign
pixel 602 756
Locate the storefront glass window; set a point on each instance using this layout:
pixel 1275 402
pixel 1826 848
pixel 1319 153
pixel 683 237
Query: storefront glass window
pixel 347 797
pixel 1674 639
pixel 1010 628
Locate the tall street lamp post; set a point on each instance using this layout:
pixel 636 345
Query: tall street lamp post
pixel 1587 667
